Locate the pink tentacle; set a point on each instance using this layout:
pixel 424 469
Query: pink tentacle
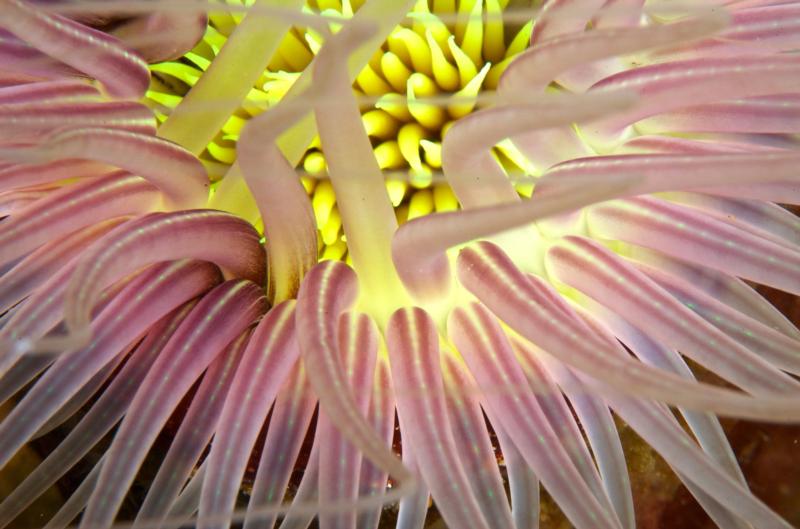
pixel 779 349
pixel 25 64
pixel 491 360
pixel 99 55
pixel 48 91
pixel 661 431
pixel 474 448
pixel 328 290
pixel 24 175
pixel 42 264
pixel 661 315
pixel 695 237
pixel 669 172
pixel 34 122
pixel 72 208
pixel 296 517
pixel 476 178
pixel 160 290
pixel 677 84
pixel 212 236
pixel 766 115
pixel 705 426
pixel 175 171
pixel 522 482
pixel 270 354
pixel 222 315
pixel 289 423
pixel 413 346
pixel 536 67
pixel 77 501
pixel 731 291
pixel 563 16
pixel 764 219
pixel 486 272
pixel 195 432
pixel 340 462
pixel 104 414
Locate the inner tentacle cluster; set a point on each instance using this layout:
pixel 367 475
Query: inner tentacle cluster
pixel 660 141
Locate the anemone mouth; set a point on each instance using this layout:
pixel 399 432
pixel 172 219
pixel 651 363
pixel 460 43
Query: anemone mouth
pixel 509 331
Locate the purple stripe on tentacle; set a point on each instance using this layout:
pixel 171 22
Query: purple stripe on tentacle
pixel 26 175
pixel 48 92
pixel 175 171
pixel 221 316
pixel 270 354
pixel 413 345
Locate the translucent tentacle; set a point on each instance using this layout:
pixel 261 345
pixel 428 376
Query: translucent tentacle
pixel 692 236
pixel 339 462
pixel 158 291
pixel 297 518
pixel 78 500
pixel 221 316
pixel 48 91
pixel 270 354
pixel 24 175
pixel 289 422
pixel 473 444
pixel 413 508
pixel 522 482
pixel 108 409
pixel 414 356
pixel 491 360
pixel 99 55
pixel 486 272
pixel 176 172
pixel 289 222
pixel 766 115
pixel 194 434
pixel 372 480
pixel 597 422
pixel 418 246
pixel 664 433
pixel 476 178
pixel 563 16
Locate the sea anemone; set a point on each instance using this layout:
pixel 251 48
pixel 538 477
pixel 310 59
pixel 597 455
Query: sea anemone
pixel 605 196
